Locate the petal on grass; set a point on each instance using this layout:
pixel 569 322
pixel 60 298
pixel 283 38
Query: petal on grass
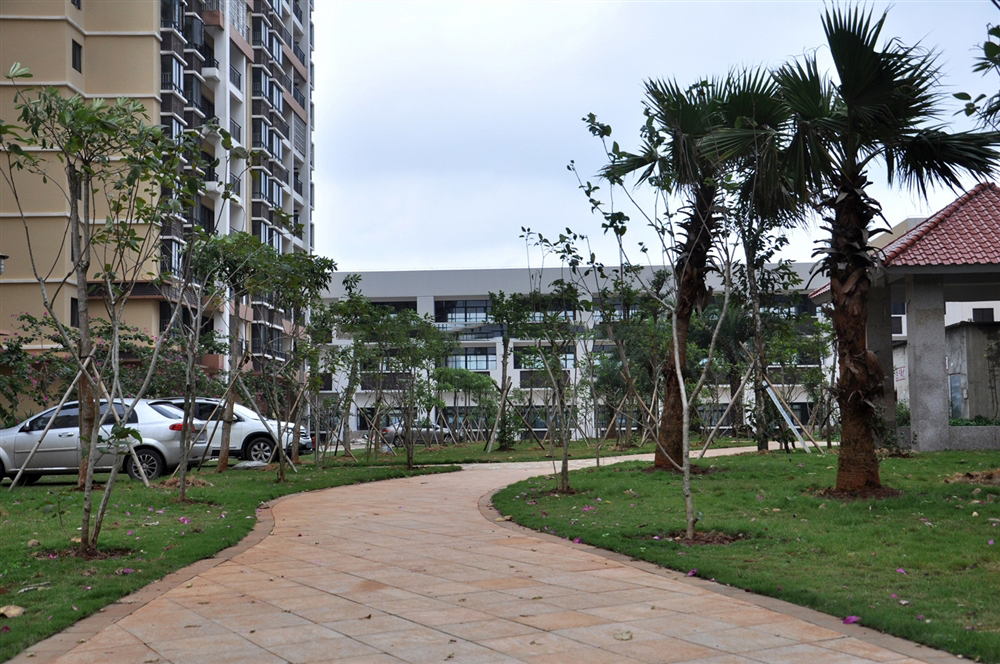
pixel 850 620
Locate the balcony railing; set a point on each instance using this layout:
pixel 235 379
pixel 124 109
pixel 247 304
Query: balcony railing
pixel 297 185
pixel 210 175
pixel 297 11
pixel 208 53
pixel 234 184
pixel 167 82
pixel 236 77
pixel 281 126
pixel 235 131
pixel 299 53
pixel 286 81
pixel 285 35
pixel 299 97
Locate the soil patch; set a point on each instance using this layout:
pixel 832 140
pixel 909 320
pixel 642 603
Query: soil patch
pixel 987 477
pixel 864 494
pixel 695 470
pixel 701 538
pixel 175 482
pixel 100 554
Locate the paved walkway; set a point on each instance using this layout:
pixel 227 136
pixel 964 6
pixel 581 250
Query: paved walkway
pixel 416 570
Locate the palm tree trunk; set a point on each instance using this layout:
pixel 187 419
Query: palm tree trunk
pixel 860 379
pixel 691 293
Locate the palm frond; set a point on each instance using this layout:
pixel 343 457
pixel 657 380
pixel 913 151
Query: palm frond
pixel 936 157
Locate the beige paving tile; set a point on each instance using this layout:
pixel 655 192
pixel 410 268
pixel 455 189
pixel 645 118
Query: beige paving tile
pixel 796 654
pixel 582 656
pixel 737 640
pixel 663 650
pixel 560 620
pixel 488 629
pixel 859 648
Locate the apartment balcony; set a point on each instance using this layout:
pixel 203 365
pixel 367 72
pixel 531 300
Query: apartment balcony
pixel 284 35
pixel 300 98
pixel 299 53
pixel 297 11
pixel 235 131
pixel 297 185
pixel 212 12
pixel 208 54
pixel 280 126
pixel 236 78
pixel 172 42
pixel 235 184
pixel 279 173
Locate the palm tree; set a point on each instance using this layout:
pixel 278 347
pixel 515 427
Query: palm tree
pixel 672 161
pixel 752 142
pixel 883 105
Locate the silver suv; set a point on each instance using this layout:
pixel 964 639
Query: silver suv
pixel 249 439
pixel 159 425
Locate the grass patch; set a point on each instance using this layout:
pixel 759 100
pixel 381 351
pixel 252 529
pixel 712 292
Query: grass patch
pixel 921 566
pixel 146 535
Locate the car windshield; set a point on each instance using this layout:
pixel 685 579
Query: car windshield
pixel 243 411
pixel 168 411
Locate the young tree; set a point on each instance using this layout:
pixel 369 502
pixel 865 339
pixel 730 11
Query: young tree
pixel 509 312
pixel 124 181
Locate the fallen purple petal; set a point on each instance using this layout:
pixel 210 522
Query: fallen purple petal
pixel 900 570
pixel 850 620
pixel 692 572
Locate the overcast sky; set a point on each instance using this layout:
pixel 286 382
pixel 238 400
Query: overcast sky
pixel 443 128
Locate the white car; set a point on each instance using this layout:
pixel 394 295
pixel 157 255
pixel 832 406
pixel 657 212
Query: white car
pixel 250 438
pixel 160 428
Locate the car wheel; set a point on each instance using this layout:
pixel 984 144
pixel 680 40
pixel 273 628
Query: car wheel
pixel 150 460
pixel 258 449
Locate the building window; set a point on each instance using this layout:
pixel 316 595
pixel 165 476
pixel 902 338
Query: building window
pixel 473 359
pixel 984 315
pixel 77 56
pixel 77 3
pixel 461 311
pixel 528 357
pixel 897 324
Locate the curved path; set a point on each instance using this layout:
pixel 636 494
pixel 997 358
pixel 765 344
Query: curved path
pixel 416 570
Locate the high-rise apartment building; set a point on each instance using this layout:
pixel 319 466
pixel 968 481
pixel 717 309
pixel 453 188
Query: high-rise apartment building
pixel 245 63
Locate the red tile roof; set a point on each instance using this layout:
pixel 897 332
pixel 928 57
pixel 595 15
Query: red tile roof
pixel 966 232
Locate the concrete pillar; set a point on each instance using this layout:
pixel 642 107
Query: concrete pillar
pixel 880 342
pixel 925 359
pixel 425 305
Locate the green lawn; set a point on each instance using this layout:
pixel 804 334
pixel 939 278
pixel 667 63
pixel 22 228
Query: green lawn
pixel 528 450
pixel 922 566
pixel 151 533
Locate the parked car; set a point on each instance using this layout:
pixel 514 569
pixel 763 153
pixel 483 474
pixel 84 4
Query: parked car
pixel 428 434
pixel 160 427
pixel 250 439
